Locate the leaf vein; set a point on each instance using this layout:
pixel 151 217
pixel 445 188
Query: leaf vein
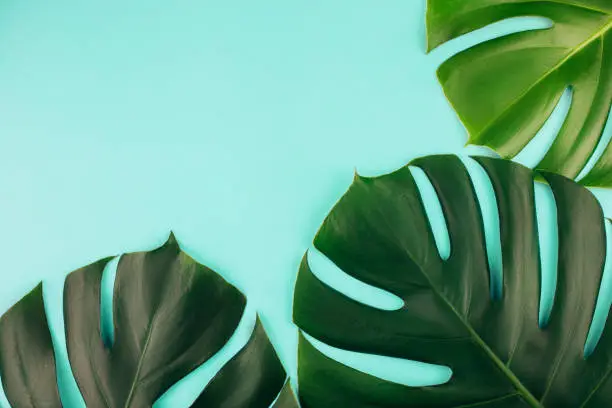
pixel 487 402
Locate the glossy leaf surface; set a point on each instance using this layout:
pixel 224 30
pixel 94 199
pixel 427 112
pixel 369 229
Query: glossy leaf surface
pixel 505 89
pixel 379 233
pixel 170 315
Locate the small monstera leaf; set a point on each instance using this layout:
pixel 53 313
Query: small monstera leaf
pixel 500 357
pixel 505 89
pixel 170 313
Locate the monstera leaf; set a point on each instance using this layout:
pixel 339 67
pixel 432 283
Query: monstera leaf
pixel 500 357
pixel 171 314
pixel 505 89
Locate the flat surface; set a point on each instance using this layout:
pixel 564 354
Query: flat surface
pixel 235 124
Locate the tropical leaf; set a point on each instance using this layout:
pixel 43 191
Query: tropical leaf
pixel 505 89
pixel 379 233
pixel 170 314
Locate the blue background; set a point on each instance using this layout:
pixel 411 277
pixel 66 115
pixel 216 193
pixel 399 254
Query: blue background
pixel 236 124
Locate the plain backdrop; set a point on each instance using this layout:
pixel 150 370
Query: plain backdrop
pixel 236 124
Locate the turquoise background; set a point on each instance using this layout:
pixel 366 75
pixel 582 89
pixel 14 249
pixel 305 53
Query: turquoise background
pixel 236 124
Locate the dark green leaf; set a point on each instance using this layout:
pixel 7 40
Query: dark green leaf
pixel 170 315
pixel 505 89
pixel 379 233
pixel 252 378
pixel 27 362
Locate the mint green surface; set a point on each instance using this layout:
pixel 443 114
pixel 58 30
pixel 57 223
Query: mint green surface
pixel 236 124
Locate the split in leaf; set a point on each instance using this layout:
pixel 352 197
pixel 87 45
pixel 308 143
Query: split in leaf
pixel 170 315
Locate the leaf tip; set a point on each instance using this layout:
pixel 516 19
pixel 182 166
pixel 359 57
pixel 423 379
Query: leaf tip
pixel 35 293
pixel 171 240
pixel 429 46
pixel 304 261
pixel 357 176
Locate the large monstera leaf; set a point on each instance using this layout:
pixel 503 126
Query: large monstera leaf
pixel 171 314
pixel 500 357
pixel 505 89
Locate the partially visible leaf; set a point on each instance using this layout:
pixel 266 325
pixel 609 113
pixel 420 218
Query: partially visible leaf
pixel 27 363
pixel 252 378
pixel 505 89
pixel 170 314
pixel 379 233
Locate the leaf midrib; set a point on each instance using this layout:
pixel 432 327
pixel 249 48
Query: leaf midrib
pixel 140 361
pixel 598 34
